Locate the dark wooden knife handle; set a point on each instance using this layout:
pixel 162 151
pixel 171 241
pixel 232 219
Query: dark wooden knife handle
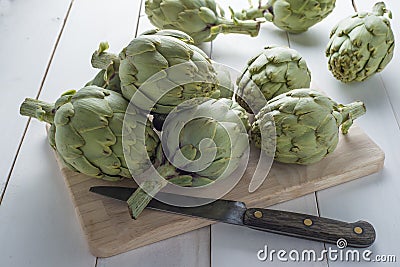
pixel 359 234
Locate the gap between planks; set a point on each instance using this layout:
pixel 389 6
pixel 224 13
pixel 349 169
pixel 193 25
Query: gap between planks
pixel 37 96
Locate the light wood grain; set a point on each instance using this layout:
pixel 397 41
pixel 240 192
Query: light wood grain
pixel 110 230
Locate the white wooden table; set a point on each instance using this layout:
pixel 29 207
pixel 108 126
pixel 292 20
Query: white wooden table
pixel 45 48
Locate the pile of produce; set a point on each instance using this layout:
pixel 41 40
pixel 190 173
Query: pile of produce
pixel 163 104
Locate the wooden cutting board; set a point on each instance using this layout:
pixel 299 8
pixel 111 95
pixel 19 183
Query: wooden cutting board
pixel 110 230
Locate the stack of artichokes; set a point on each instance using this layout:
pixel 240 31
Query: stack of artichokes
pixel 162 81
pixel 87 126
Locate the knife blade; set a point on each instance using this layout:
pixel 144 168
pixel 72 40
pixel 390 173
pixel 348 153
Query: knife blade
pixel 358 234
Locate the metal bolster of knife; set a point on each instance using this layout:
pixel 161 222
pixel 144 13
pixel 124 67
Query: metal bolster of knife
pixel 358 234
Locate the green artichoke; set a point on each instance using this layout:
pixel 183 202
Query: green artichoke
pixel 108 63
pixel 222 121
pixel 306 123
pixel 274 71
pixel 294 16
pixel 203 140
pixel 192 74
pixel 361 45
pixel 86 131
pixel 198 18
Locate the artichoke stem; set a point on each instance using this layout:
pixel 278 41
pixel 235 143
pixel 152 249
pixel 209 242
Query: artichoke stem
pixel 249 27
pixel 38 109
pixel 351 112
pixel 103 60
pixel 138 201
pixel 254 13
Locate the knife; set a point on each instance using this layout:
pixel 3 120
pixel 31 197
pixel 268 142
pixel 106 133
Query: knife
pixel 358 234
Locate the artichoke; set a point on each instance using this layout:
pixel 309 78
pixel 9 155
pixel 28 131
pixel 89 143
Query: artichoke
pixel 294 16
pixel 274 71
pixel 183 68
pixel 198 18
pixel 222 121
pixel 203 140
pixel 86 131
pixel 208 81
pixel 307 124
pixel 361 45
pixel 108 63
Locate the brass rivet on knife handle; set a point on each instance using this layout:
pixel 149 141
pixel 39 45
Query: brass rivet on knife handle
pixel 258 214
pixel 308 222
pixel 358 230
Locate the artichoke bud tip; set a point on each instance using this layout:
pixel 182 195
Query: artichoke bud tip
pixel 103 46
pixel 69 92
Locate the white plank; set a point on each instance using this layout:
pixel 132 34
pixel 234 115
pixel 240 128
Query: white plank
pixel 25 52
pixel 235 246
pixel 374 198
pixel 190 249
pixel 38 224
pixel 90 23
pixel 142 10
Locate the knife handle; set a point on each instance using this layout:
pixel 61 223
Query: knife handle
pixel 359 234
